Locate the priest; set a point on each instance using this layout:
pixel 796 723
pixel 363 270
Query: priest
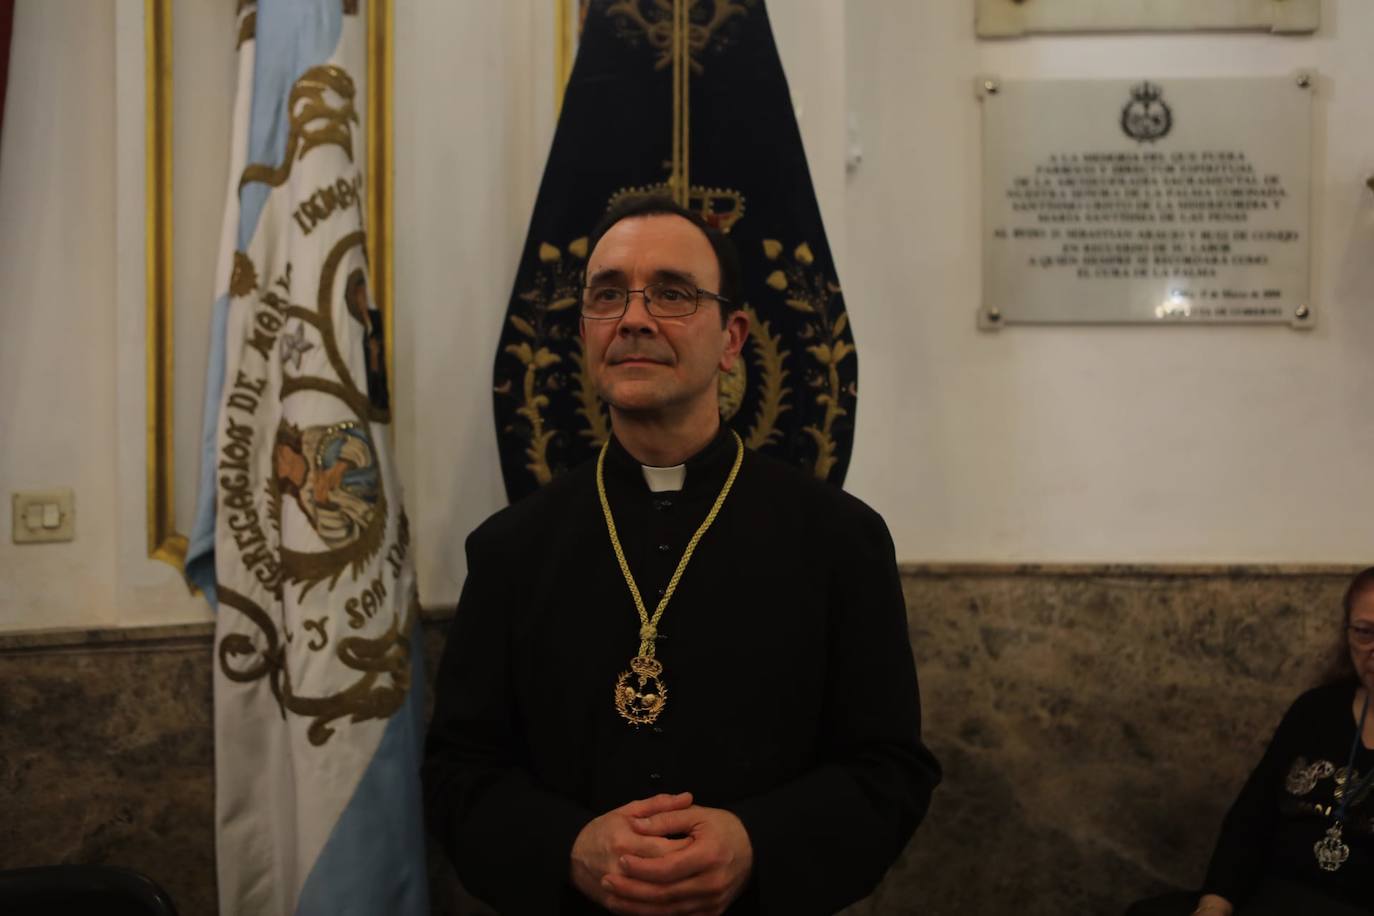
pixel 679 677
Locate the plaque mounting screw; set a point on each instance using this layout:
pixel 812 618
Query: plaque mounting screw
pixel 1304 80
pixel 1302 311
pixel 991 86
pixel 994 315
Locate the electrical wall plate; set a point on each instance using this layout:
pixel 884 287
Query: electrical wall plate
pixel 43 516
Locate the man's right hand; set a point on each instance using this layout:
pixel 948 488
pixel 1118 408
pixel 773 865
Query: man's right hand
pixel 597 850
pixel 1212 905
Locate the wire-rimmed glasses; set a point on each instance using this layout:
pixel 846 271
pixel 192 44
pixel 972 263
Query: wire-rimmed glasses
pixel 668 299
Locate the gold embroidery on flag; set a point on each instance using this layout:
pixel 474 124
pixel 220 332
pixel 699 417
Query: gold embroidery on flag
pixel 556 287
pixel 320 108
pixel 248 25
pixel 331 471
pixel 721 207
pixel 769 355
pixel 244 278
pixel 654 20
pixel 813 294
pixel 383 665
pixel 592 410
pixel 322 320
pixel 731 386
pixel 332 475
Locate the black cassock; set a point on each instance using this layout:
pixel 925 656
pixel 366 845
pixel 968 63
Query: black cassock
pixel 791 689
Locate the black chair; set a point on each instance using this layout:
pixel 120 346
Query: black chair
pixel 81 890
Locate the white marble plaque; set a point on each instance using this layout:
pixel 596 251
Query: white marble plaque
pixel 1169 200
pixel 1001 18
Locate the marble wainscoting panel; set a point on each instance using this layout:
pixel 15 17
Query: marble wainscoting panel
pixel 107 755
pixel 1094 724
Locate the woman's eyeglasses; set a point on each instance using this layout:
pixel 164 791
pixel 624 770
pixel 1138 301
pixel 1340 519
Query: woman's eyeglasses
pixel 1361 635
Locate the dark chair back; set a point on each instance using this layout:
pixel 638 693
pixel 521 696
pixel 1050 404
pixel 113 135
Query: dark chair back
pixel 81 890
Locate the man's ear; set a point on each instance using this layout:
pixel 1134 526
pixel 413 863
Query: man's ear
pixel 736 332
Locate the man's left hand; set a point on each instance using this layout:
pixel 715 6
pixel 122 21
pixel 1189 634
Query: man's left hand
pixel 703 877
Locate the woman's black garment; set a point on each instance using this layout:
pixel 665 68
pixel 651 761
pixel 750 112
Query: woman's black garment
pixel 1271 897
pixel 1289 802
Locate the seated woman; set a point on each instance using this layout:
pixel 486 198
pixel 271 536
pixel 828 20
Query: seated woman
pixel 1300 837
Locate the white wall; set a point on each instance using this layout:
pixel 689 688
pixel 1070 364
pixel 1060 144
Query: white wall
pixel 72 329
pixel 1075 444
pixel 1108 444
pixel 1099 443
pixel 57 280
pixel 474 119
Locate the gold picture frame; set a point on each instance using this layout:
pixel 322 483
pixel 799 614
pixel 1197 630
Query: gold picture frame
pixel 565 22
pixel 165 542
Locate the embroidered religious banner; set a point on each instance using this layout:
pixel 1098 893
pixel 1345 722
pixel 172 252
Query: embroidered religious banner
pixel 300 539
pixel 684 99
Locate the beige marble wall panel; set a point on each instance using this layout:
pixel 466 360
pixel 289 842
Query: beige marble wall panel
pixel 1094 724
pixel 106 756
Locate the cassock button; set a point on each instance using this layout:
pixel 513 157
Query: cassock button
pixel 655 776
pixel 663 503
pixel 664 548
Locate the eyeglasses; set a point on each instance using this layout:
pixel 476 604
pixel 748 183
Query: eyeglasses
pixel 672 299
pixel 1361 635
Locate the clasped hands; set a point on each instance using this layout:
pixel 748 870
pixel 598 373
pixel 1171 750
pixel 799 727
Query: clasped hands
pixel 1212 905
pixel 662 855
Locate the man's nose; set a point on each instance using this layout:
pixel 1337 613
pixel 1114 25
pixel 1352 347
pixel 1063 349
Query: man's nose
pixel 637 319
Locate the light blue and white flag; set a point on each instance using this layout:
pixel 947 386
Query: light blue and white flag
pixel 300 540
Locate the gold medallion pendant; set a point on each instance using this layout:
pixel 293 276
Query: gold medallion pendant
pixel 641 704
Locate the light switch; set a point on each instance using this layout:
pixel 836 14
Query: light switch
pixel 43 516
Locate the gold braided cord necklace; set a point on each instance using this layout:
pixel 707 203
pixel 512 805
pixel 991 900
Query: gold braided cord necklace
pixel 643 704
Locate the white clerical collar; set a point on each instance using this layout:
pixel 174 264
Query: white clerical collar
pixel 664 480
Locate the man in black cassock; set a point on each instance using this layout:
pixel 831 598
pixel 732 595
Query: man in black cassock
pixel 679 677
